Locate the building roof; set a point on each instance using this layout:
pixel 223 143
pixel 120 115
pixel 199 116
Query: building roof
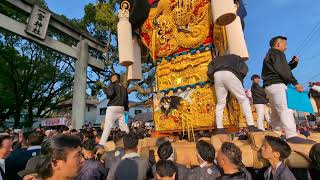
pixel 68 102
pixel 144 117
pixel 131 103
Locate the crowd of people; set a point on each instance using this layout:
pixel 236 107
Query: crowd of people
pixel 67 154
pixel 227 73
pixel 71 154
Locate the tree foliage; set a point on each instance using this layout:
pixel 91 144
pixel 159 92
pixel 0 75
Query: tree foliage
pixel 101 22
pixel 34 79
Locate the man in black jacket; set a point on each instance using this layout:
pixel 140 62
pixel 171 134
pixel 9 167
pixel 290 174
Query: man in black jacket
pixel 276 75
pixel 229 159
pixel 227 73
pixel 118 104
pixel 259 101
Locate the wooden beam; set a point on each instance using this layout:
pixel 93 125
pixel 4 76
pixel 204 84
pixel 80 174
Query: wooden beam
pixel 19 28
pixel 64 27
pixel 96 63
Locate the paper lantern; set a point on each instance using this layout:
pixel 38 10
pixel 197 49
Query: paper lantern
pixel 135 71
pixel 223 11
pixel 236 42
pixel 124 29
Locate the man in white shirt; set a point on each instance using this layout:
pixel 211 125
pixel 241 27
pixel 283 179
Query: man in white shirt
pixel 5 149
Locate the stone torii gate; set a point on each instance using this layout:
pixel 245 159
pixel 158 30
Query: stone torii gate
pixel 36 30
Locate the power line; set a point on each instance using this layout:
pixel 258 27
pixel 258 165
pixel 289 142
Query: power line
pixel 310 42
pixel 311 78
pixel 308 37
pixel 308 59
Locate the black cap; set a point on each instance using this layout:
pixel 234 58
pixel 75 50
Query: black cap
pixel 32 165
pixel 274 39
pixel 255 76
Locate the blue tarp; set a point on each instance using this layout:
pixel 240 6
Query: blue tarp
pixel 127 117
pixel 298 101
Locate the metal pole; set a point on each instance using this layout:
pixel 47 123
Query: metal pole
pixel 79 87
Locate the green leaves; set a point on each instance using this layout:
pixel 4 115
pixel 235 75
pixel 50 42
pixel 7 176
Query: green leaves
pixel 33 79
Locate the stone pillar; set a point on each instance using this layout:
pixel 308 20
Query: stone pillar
pixel 79 87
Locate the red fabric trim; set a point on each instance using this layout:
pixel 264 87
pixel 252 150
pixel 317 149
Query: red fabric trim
pixel 152 1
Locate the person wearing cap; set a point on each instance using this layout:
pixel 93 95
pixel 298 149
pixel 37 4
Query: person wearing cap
pixel 260 101
pixel 118 104
pixel 227 73
pixel 276 75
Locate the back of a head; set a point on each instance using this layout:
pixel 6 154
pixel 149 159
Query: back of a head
pixel 73 131
pixel 166 168
pixel 255 76
pixel 57 149
pixel 3 138
pixel 274 40
pixel 88 134
pixel 116 75
pixel 279 145
pixel 44 146
pixel 161 140
pixel 233 153
pixel 26 135
pixel 206 151
pixel 165 150
pixel 314 155
pixel 130 140
pixel 89 145
pixel 99 133
pixel 35 139
pixel 118 136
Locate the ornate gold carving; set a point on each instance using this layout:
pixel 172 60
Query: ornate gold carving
pixel 124 10
pixel 183 70
pixel 174 24
pixel 220 39
pixel 197 110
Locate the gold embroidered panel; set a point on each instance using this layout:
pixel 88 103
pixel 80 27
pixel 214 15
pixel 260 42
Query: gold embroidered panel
pixel 183 70
pixel 189 109
pixel 175 24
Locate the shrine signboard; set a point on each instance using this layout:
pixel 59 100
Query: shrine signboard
pixel 38 22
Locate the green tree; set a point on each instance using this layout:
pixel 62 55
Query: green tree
pixel 34 79
pixel 101 22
